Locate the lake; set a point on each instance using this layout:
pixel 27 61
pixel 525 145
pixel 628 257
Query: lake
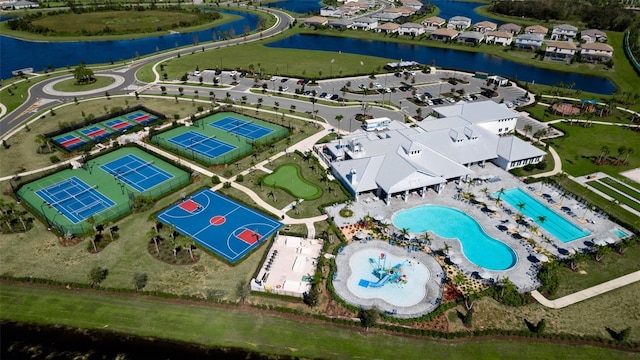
pixel 448 58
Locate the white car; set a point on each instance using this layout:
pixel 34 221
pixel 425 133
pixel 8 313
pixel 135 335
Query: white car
pixel 285 88
pixel 273 78
pixel 233 73
pixel 377 85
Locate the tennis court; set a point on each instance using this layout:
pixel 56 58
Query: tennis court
pixel 69 141
pixel 74 199
pixel 135 172
pixel 229 229
pixel 141 117
pixel 95 133
pixel 208 146
pixel 118 124
pixel 244 128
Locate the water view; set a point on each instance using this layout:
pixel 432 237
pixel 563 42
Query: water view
pixel 455 59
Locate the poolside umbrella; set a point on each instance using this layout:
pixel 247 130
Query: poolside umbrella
pixel 481 199
pixel 492 208
pixel 455 260
pixel 600 242
pixel 542 257
pixel 378 218
pixel 525 235
pixel 485 274
pixel 609 240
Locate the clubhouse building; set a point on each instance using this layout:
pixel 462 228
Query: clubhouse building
pixel 389 158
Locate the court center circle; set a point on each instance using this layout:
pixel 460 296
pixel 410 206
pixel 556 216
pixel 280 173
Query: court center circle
pixel 218 220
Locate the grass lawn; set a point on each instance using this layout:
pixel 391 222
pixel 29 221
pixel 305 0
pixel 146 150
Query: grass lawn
pixel 577 157
pixel 628 188
pixel 591 272
pixel 614 194
pixel 255 330
pixel 288 177
pixel 71 85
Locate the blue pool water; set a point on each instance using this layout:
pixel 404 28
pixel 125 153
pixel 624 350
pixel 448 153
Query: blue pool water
pixel 619 233
pixel 555 224
pixel 405 293
pixel 477 246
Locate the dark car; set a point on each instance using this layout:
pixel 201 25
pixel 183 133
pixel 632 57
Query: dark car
pixel 404 88
pixel 218 71
pixel 428 94
pixel 284 80
pixel 334 97
pixel 438 101
pixel 323 95
pixel 243 74
pixel 397 74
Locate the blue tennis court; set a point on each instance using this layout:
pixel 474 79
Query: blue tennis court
pixel 135 172
pixel 240 127
pixel 202 144
pixel 95 132
pixel 69 141
pixel 119 124
pixel 220 224
pixel 74 199
pixel 141 117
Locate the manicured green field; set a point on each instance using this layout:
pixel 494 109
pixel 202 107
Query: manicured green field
pixel 118 21
pixel 255 330
pixel 72 86
pixel 288 177
pixel 582 145
pixel 614 194
pixel 627 189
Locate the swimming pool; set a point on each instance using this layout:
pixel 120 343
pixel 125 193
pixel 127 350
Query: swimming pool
pixel 555 224
pixel 407 289
pixel 446 222
pixel 619 233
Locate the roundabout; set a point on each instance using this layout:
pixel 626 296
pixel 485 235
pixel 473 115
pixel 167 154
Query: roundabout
pixel 49 88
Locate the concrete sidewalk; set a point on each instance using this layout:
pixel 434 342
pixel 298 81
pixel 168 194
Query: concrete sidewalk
pixel 587 293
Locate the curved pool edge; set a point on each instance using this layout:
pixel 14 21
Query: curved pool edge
pixel 433 287
pixel 514 253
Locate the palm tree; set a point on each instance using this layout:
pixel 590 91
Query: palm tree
pixel 519 219
pixel 630 151
pixel 541 219
pixel 521 206
pixel 339 119
pixel 426 238
pixel 621 151
pixel 527 129
pixel 405 233
pixel 604 151
pixel 271 194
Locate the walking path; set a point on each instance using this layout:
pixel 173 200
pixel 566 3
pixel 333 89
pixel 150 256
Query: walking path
pixel 587 293
pixel 557 165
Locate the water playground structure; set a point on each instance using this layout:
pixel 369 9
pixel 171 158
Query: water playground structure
pixel 393 275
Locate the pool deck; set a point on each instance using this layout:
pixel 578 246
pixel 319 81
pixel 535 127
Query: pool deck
pixel 433 286
pixel 500 225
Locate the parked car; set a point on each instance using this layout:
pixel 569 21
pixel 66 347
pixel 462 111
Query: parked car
pixel 323 95
pixel 300 82
pixel 404 88
pixel 284 80
pixel 377 85
pixel 218 72
pixel 334 97
pixel 233 73
pixel 243 74
pixel 397 74
pixel 428 94
pixel 285 88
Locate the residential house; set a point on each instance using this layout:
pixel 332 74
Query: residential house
pixel 348 10
pixel 388 16
pixel 365 23
pixel 19 4
pixel 459 23
pixel 470 37
pixel 564 32
pixel 388 28
pixel 410 28
pixel 403 10
pixel 484 26
pixel 341 24
pixel 443 34
pixel 414 4
pixel 536 29
pixel 596 52
pixel 593 35
pixel 560 50
pixel 529 41
pixel 510 27
pixel 434 22
pixel 503 38
pixel 330 11
pixel 316 21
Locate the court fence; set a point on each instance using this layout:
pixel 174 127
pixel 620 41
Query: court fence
pixel 191 154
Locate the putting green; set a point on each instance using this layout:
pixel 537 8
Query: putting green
pixel 288 178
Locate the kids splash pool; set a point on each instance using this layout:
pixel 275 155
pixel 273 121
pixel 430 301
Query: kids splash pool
pixel 446 222
pixel 374 273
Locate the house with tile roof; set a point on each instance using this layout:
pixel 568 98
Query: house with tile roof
pixel 536 29
pixel 564 32
pixel 503 38
pixel 484 26
pixel 389 28
pixel 443 34
pixel 510 27
pixel 593 35
pixel 434 22
pixel 596 52
pixel 560 51
pixel 410 28
pixel 470 37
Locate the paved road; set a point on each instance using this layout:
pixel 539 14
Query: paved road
pixel 40 95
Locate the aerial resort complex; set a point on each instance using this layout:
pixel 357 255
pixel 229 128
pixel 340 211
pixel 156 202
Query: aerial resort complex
pixel 300 180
